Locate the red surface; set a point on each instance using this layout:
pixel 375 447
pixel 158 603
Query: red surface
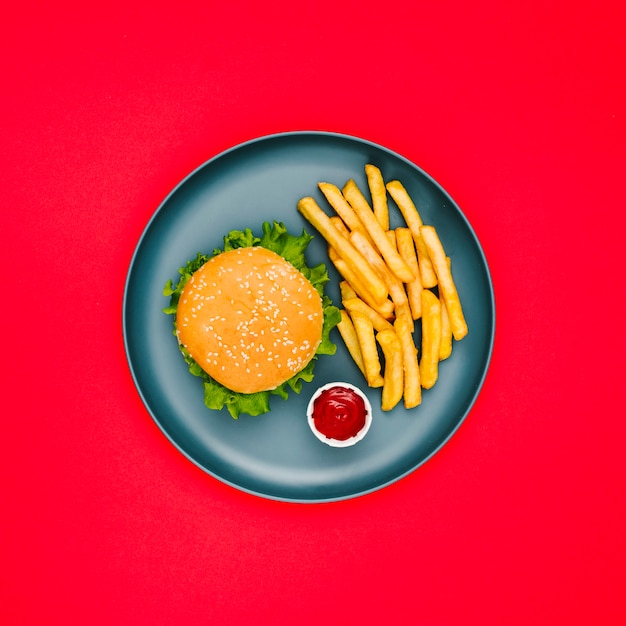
pixel 517 109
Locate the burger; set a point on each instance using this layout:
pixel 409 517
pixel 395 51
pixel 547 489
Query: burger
pixel 252 318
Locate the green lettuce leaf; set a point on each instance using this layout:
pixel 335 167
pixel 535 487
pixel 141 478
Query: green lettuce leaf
pixel 292 248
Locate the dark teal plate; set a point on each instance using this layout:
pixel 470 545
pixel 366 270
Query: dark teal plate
pixel 276 455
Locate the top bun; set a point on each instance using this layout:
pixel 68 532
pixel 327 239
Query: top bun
pixel 250 319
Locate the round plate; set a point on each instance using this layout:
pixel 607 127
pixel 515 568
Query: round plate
pixel 275 455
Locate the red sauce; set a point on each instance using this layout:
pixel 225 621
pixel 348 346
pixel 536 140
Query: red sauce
pixel 339 413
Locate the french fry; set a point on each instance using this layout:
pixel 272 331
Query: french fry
pixel 372 256
pixel 393 284
pixel 356 305
pixel 447 287
pixel 427 273
pixel 379 195
pixel 406 205
pixel 431 339
pixel 348 334
pixel 383 309
pixel 388 281
pixel 362 290
pixel 445 349
pixel 393 379
pixel 335 198
pixel 367 342
pixel 346 291
pixel 406 248
pixel 358 202
pixel 414 222
pixel 352 281
pixel 397 289
pixel 340 225
pixel 312 212
pixel 412 393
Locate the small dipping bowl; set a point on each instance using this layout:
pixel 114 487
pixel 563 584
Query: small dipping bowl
pixel 338 401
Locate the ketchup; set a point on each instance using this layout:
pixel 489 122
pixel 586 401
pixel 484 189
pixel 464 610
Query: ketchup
pixel 339 413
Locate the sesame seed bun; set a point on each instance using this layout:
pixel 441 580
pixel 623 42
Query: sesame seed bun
pixel 250 319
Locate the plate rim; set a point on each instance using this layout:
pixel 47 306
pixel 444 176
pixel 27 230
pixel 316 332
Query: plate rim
pixel 266 138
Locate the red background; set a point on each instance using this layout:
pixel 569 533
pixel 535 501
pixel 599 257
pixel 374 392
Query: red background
pixel 517 109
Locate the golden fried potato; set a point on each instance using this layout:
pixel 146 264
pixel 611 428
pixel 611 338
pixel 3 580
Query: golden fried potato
pixel 367 342
pixel 378 192
pixel 414 222
pixel 311 211
pixel 412 393
pixel 346 291
pixel 340 225
pixel 362 289
pixel 406 248
pixel 393 379
pixel 405 203
pixel 335 198
pixel 397 288
pixel 431 339
pixel 349 336
pixel 445 349
pixel 388 282
pixel 447 288
pixel 357 201
pixel 356 305
pixel 394 286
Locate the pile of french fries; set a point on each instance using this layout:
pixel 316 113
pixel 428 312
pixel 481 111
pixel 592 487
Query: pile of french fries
pixel 391 279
